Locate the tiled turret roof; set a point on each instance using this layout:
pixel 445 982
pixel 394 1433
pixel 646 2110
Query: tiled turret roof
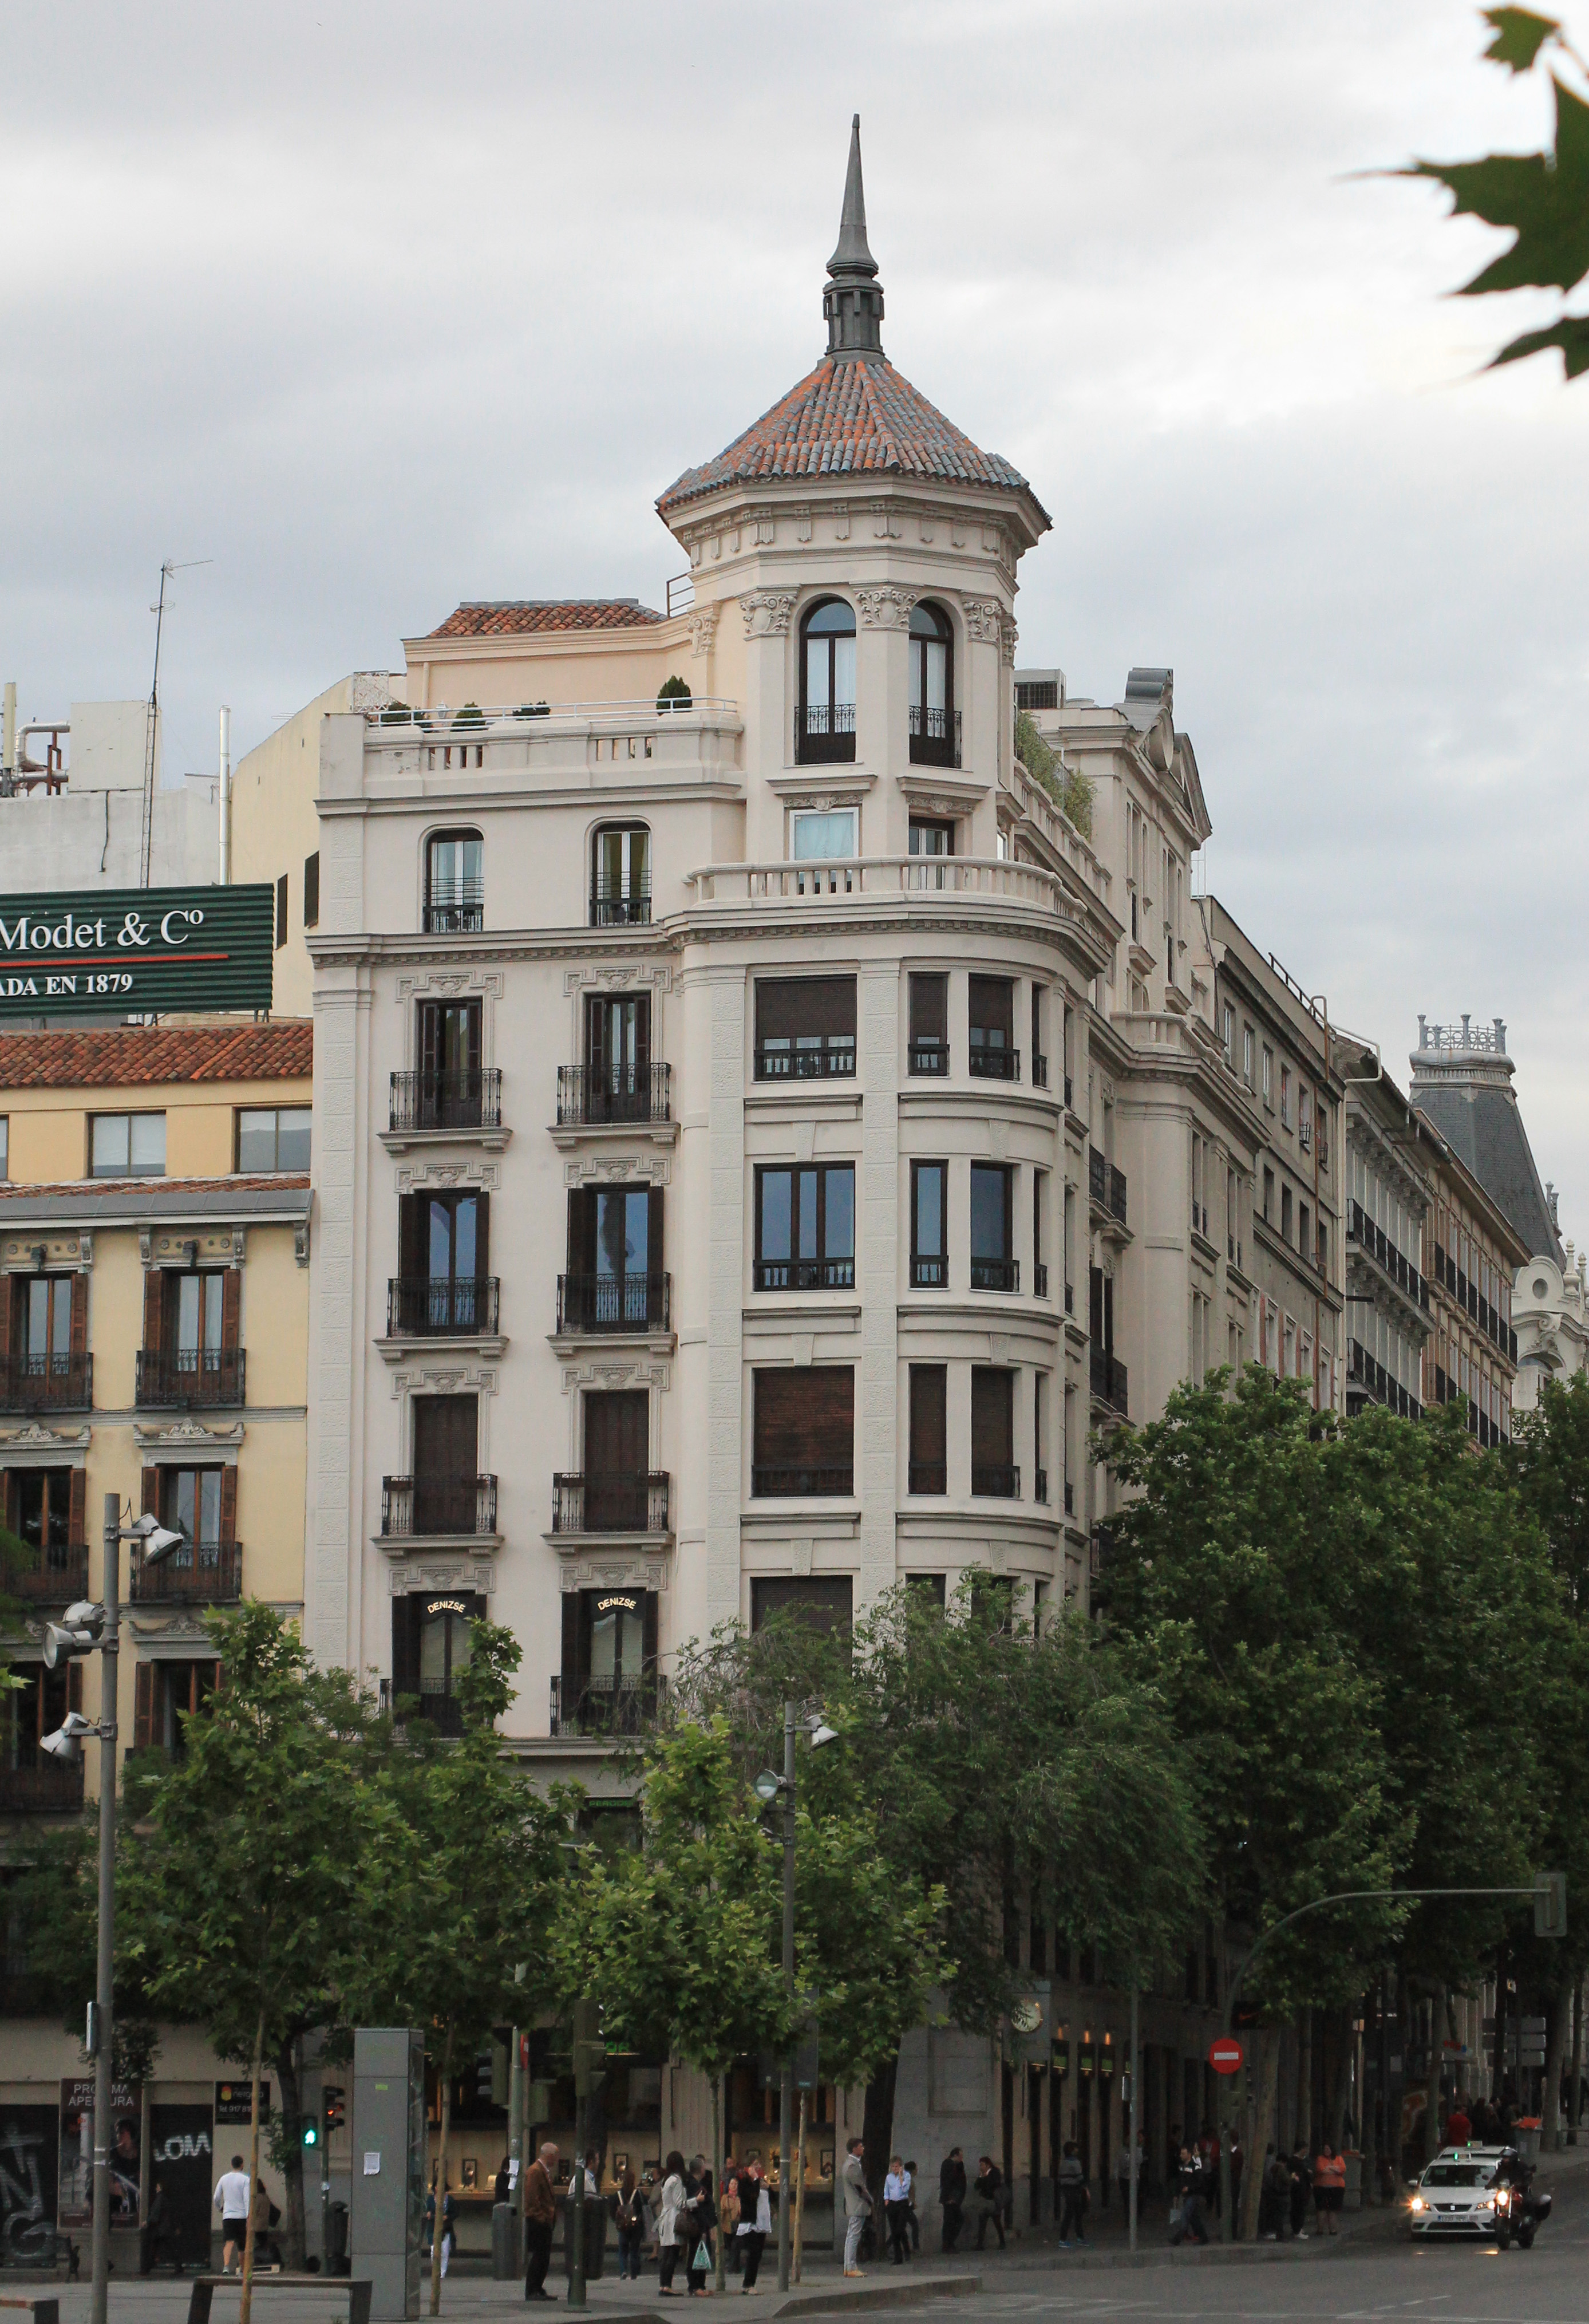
pixel 849 417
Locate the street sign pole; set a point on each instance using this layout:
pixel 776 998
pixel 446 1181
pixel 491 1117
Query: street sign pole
pixel 103 2062
pixel 1132 2165
pixel 786 2126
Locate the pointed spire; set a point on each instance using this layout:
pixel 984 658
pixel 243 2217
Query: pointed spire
pixel 852 298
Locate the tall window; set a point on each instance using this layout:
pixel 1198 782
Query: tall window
pixel 616 1452
pixel 804 1027
pixel 446 1462
pixel 932 688
pixel 934 840
pixel 929 1228
pixel 929 1024
pixel 450 1084
pixel 618 1057
pixel 431 1645
pixel 444 1286
pixel 615 1280
pixel 193 1505
pixel 993 1433
pixel 994 1266
pixel 455 883
pixel 610 1659
pixel 929 1396
pixel 992 1028
pixel 311 890
pixel 825 726
pixel 805 1228
pixel 191 1305
pixel 621 876
pixel 804 1431
pixel 46 1324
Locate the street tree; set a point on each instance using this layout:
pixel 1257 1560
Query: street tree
pixel 238 1902
pixel 463 1861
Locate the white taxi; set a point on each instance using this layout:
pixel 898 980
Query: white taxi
pixel 1456 2195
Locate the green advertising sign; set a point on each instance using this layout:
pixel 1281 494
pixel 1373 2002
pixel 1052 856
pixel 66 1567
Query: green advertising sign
pixel 134 951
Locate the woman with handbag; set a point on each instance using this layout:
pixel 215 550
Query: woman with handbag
pixel 672 2226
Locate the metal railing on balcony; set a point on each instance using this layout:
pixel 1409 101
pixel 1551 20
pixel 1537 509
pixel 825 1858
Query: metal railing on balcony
pixel 461 913
pixel 48 1789
pixel 592 1096
pixel 800 1481
pixel 824 732
pixel 934 736
pixel 428 1506
pixel 1117 1195
pixel 928 1477
pixel 1375 1244
pixel 929 1058
pixel 470 1099
pixel 184 1377
pixel 1039 1070
pixel 200 1573
pixel 432 1701
pixel 626 905
pixel 1039 1280
pixel 825 1056
pixel 1098 1178
pixel 986 1064
pixel 996 1481
pixel 1108 1379
pixel 1068 1090
pixel 595 1707
pixel 996 1275
pixel 46 1383
pixel 441 1306
pixel 57 1573
pixel 614 1303
pixel 597 1501
pixel 929 1272
pixel 805 1274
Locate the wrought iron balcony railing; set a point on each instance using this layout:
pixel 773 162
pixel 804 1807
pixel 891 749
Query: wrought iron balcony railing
pixel 200 1573
pixel 997 1481
pixel 934 736
pixel 60 1572
pixel 471 1099
pixel 441 1306
pixel 1108 1379
pixel 180 1376
pixel 46 1383
pixel 930 1057
pixel 987 1064
pixel 590 1096
pixel 799 1481
pixel 805 1274
pixel 929 1272
pixel 825 1056
pixel 824 731
pixel 614 1303
pixel 1106 1185
pixel 615 1501
pixel 460 914
pixel 605 1706
pixel 427 1506
pixel 628 906
pixel 48 1789
pixel 996 1275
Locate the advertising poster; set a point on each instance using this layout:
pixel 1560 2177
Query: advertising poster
pixel 235 2103
pixel 28 2162
pixel 75 2192
pixel 181 2186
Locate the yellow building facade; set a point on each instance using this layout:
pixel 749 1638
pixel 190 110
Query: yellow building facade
pixel 154 1257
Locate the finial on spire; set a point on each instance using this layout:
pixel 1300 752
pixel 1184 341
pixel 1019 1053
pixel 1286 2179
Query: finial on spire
pixel 852 298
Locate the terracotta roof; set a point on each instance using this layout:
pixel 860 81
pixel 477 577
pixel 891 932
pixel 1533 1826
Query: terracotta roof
pixel 277 1181
pixel 516 616
pixel 128 1054
pixel 848 418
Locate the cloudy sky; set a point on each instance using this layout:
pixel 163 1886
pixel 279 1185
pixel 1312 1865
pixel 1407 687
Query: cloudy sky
pixel 378 308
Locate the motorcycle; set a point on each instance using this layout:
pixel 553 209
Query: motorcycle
pixel 1520 2211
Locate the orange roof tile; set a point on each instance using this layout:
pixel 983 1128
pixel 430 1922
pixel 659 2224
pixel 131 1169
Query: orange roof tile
pixel 283 1050
pixel 515 617
pixel 19 1191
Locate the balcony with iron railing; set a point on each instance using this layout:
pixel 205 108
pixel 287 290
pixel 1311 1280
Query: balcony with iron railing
pixel 986 1063
pixel 824 732
pixel 610 1501
pixel 595 1097
pixel 930 1058
pixel 792 1481
pixel 805 1274
pixel 185 1378
pixel 50 1382
pixel 55 1576
pixel 429 1100
pixel 824 1057
pixel 434 1703
pixel 996 1274
pixel 621 903
pixel 996 1481
pixel 199 1573
pixel 48 1788
pixel 1108 1379
pixel 593 1304
pixel 427 1508
pixel 597 1707
pixel 929 1271
pixel 459 913
pixel 928 1477
pixel 1373 1243
pixel 441 1306
pixel 934 736
pixel 1105 1185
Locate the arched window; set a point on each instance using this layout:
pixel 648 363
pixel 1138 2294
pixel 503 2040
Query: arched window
pixel 455 883
pixel 620 876
pixel 933 725
pixel 825 725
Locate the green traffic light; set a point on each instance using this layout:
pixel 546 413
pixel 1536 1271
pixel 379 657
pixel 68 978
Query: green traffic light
pixel 311 2133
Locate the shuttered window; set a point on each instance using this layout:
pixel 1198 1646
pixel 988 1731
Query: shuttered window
pixel 929 1400
pixel 805 1431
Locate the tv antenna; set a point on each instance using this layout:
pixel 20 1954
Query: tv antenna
pixel 152 722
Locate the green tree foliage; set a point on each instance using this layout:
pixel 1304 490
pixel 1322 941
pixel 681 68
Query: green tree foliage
pixel 1543 198
pixel 463 1861
pixel 1071 792
pixel 238 1895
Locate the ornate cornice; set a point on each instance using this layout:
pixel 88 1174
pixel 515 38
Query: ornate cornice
pixel 767 612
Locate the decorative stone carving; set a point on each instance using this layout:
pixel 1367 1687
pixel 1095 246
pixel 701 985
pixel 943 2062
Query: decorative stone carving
pixel 33 1441
pixel 701 626
pixel 888 608
pixel 300 1243
pixel 983 616
pixel 579 979
pixel 485 1175
pixel 411 1574
pixel 167 1246
pixel 73 1252
pixel 613 1571
pixel 618 1169
pixel 767 612
pixel 180 1440
pixel 607 1371
pixel 1008 636
pixel 801 516
pixel 839 512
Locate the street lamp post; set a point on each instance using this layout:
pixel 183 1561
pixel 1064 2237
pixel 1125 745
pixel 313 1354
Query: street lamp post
pixel 767 1787
pixel 89 1625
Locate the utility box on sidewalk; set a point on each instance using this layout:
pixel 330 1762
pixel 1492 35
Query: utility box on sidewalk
pixel 387 2187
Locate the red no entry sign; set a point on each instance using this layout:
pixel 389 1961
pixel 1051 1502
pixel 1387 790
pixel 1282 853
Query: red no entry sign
pixel 1225 2056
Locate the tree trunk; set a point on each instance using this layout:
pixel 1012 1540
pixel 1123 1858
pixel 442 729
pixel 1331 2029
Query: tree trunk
pixel 878 2131
pixel 1431 2108
pixel 1561 2011
pixel 291 2081
pixel 1263 2133
pixel 437 2227
pixel 1304 2135
pixel 715 2168
pixel 254 2173
pixel 1576 2091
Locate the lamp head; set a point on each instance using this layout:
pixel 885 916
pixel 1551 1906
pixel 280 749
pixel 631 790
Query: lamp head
pixel 66 1741
pixel 821 1733
pixel 62 1641
pixel 767 1787
pixel 158 1542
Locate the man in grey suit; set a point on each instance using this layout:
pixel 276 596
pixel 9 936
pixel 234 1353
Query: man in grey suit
pixel 857 2204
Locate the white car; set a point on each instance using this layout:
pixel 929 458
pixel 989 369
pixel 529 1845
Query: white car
pixel 1456 2195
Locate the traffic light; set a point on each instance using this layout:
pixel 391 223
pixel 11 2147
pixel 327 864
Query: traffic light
pixel 1551 1903
pixel 333 2110
pixel 490 2075
pixel 590 2049
pixel 311 2133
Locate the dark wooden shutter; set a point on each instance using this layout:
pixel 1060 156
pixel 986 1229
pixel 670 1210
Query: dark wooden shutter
pixel 142 1706
pixel 596 1037
pixel 151 1492
pixel 78 1507
pixel 582 1231
pixel 992 1418
pixel 649 1634
pixel 405 1655
pixel 8 1299
pixel 992 1006
pixel 311 891
pixel 80 1316
pixel 786 1008
pixel 154 1283
pixel 445 1435
pixel 805 1418
pixel 228 1507
pixel 929 1007
pixel 642 1032
pixel 929 1420
pixel 571 1673
pixel 231 1307
pixel 413 1215
pixel 617 1432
